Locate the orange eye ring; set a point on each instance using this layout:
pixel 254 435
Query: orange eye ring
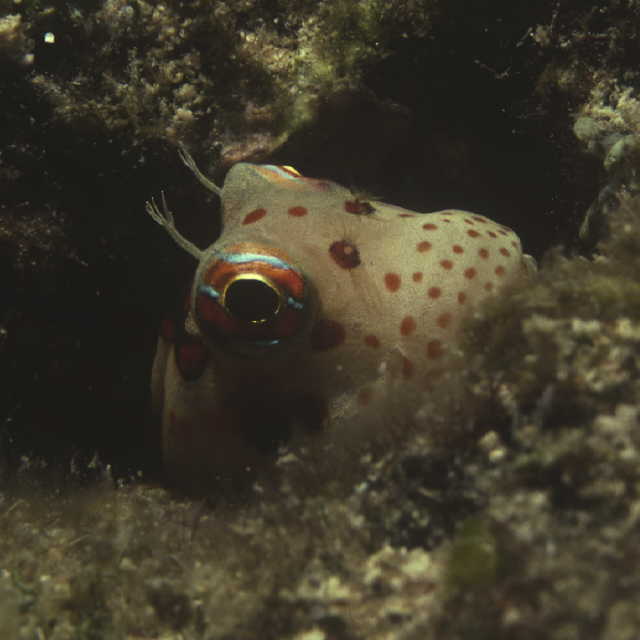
pixel 248 298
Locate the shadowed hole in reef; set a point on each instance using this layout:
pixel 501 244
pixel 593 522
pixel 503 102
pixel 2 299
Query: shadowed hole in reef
pixel 454 121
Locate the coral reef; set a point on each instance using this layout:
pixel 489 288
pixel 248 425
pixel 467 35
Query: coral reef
pixel 508 506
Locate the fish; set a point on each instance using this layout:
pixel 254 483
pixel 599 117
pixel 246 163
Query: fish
pixel 314 307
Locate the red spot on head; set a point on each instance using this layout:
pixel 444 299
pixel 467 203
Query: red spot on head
pixel 488 286
pixel 407 326
pixel 254 216
pixel 500 270
pixel 364 397
pixel 472 233
pixel 468 221
pixel 406 215
pixel 407 367
pixel 457 249
pixel 297 212
pixel 392 281
pixel 505 252
pixel 191 357
pixel 470 273
pixel 358 207
pixel 462 297
pixel 434 349
pixel 491 234
pixel 372 341
pixel 417 276
pixel 444 320
pixel 327 334
pixel 479 219
pixel 423 246
pixel 429 226
pixel 345 254
pixel 502 233
pixel 483 253
pixel 514 244
pixel 434 292
pixel 446 264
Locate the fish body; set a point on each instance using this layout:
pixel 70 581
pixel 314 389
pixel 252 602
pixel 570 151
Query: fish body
pixel 305 310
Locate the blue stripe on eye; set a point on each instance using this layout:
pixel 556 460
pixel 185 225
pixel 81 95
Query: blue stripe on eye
pixel 208 290
pixel 277 170
pixel 295 304
pixel 240 258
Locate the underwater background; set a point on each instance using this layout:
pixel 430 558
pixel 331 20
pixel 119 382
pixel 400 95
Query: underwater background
pixel 509 507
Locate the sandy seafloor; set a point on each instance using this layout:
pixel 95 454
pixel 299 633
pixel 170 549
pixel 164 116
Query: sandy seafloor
pixel 509 508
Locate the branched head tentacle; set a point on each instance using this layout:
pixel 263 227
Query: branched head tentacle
pixel 188 160
pixel 165 219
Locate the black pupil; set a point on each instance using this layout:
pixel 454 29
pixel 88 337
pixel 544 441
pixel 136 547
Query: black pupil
pixel 251 300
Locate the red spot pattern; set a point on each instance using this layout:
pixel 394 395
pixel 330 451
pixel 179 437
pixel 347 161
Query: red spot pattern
pixel 446 264
pixel 345 254
pixel 505 252
pixel 468 221
pixel 417 276
pixel 254 216
pixel 502 233
pixel 457 249
pixel 500 271
pixel 358 207
pixel 491 234
pixel 488 286
pixel 406 215
pixel 479 219
pixel 297 212
pixel 483 253
pixel 434 292
pixel 407 326
pixel 444 320
pixel 327 334
pixel 423 246
pixel 372 341
pixel 472 233
pixel 434 349
pixel 429 226
pixel 191 357
pixel 407 367
pixel 462 297
pixel 392 281
pixel 470 273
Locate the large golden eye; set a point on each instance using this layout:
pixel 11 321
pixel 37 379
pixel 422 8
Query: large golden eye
pixel 252 298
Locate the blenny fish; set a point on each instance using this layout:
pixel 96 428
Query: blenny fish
pixel 308 306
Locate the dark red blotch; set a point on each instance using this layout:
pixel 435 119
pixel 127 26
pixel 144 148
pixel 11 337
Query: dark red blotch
pixel 327 334
pixel 345 254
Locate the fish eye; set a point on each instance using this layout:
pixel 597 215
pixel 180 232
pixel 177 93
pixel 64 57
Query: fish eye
pixel 252 298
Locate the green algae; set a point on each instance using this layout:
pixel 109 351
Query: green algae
pixel 472 560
